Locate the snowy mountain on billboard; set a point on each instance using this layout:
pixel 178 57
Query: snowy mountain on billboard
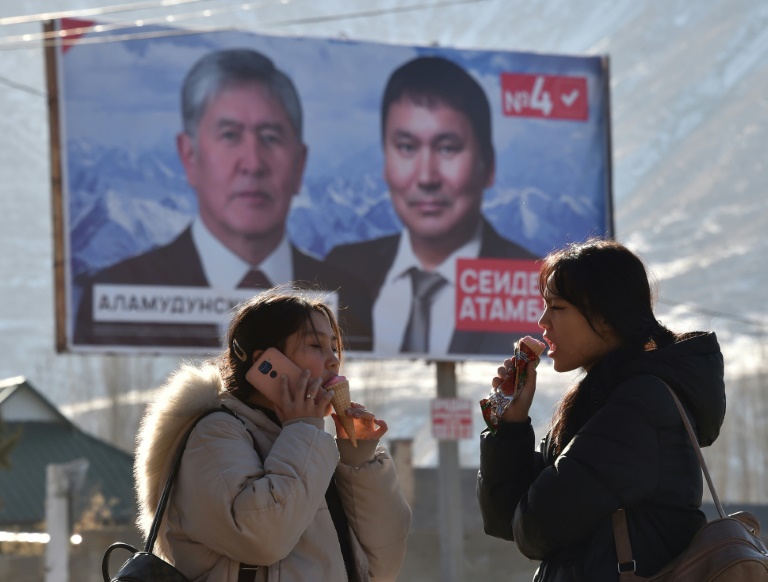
pixel 122 204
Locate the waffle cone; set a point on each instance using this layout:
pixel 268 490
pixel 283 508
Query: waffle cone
pixel 341 402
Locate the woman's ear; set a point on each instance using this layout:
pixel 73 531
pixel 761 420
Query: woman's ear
pixel 606 332
pixel 602 326
pixel 256 355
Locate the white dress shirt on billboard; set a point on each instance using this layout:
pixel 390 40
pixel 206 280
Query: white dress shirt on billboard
pixel 224 269
pixel 393 305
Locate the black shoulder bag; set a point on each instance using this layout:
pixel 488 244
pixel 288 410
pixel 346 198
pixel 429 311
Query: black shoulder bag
pixel 147 567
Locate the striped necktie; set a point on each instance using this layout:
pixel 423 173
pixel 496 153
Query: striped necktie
pixel 424 286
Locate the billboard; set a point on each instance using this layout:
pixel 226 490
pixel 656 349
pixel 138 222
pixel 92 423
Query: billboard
pixel 415 187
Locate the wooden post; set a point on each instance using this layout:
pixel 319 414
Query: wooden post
pixel 449 489
pixel 54 131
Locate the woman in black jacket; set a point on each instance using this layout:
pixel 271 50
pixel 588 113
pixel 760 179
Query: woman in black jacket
pixel 616 438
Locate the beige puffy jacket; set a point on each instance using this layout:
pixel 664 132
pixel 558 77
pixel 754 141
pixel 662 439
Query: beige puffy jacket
pixel 233 504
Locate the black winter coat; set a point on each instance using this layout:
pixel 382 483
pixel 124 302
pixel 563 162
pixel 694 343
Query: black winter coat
pixel 634 452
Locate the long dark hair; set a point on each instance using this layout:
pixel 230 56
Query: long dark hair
pixel 268 320
pixel 605 281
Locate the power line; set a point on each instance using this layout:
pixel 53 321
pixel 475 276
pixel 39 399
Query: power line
pixel 372 13
pixel 23 41
pixel 21 87
pixel 56 38
pixel 43 16
pixel 60 37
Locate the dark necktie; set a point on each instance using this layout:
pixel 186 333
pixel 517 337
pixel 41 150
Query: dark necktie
pixel 254 279
pixel 424 286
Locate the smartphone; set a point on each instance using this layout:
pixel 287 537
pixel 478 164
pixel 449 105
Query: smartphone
pixel 266 372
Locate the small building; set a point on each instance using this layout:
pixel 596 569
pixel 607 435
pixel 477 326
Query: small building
pixel 45 436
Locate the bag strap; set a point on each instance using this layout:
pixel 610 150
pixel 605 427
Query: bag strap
pixel 697 448
pixel 627 565
pixel 619 518
pixel 166 494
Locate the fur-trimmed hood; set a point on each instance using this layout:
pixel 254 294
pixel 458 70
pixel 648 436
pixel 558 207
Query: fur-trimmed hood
pixel 187 393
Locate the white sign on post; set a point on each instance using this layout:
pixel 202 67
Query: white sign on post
pixel 451 418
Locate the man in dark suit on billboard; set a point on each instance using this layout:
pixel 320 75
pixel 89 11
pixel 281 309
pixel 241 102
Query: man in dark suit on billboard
pixel 439 159
pixel 244 156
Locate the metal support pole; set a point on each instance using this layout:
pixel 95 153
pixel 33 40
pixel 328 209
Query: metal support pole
pixel 449 489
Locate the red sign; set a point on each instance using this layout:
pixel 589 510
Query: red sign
pixel 548 96
pixel 451 419
pixel 73 29
pixel 499 295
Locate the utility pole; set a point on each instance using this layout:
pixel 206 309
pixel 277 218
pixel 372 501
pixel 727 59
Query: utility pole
pixel 449 489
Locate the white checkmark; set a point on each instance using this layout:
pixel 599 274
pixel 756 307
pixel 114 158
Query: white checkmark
pixel 570 97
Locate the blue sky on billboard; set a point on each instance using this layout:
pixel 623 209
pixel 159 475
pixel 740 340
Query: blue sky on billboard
pixel 121 103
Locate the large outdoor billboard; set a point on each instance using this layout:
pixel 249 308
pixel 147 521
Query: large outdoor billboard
pixel 419 185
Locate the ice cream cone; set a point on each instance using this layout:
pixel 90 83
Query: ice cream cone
pixel 341 402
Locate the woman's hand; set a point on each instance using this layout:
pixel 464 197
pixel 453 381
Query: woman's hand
pixel 367 426
pixel 521 403
pixel 307 400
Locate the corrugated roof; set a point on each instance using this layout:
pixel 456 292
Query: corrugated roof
pixel 22 487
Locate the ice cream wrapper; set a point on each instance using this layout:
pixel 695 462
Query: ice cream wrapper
pixel 500 399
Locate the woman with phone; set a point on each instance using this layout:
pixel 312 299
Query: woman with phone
pixel 616 439
pixel 267 493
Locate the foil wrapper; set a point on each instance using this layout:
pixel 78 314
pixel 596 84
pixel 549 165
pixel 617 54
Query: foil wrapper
pixel 501 398
pixel 493 408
